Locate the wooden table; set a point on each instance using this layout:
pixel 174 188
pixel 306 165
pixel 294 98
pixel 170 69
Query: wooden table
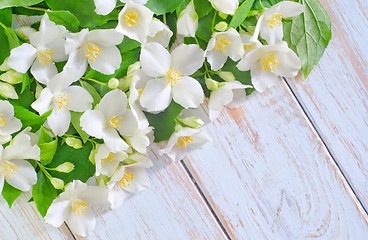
pixel 292 163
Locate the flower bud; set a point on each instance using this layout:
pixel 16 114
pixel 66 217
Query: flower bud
pixel 5 67
pixel 57 183
pixel 223 15
pixel 12 77
pixel 124 83
pixel 74 142
pixel 187 24
pixel 133 68
pixel 227 76
pixel 212 84
pixel 24 32
pixel 8 91
pixel 191 122
pixel 66 167
pixel 39 89
pixel 113 83
pixel 221 26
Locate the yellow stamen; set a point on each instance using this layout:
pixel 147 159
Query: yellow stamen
pixel 62 101
pixel 131 18
pixel 125 181
pixel 78 207
pixel 173 77
pixel 184 141
pixel 269 63
pixel 275 20
pixel 140 91
pixel 221 44
pixel 115 121
pixel 2 120
pixel 108 158
pixel 8 169
pixel 92 52
pixel 46 56
pixel 250 46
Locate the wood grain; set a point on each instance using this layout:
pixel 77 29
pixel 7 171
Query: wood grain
pixel 268 176
pixel 23 221
pixel 335 96
pixel 171 208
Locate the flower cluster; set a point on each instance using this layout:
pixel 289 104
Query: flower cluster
pixel 81 121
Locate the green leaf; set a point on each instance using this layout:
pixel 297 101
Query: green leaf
pixel 309 34
pixel 44 137
pixel 204 30
pixel 29 118
pixel 8 41
pixel 84 10
pixel 129 58
pixel 18 3
pixel 10 193
pixel 83 170
pixel 128 45
pixel 6 16
pixel 13 39
pixel 75 119
pixel 202 7
pixel 25 82
pixel 160 7
pixel 48 151
pixel 96 97
pixel 43 193
pixel 164 123
pixel 64 18
pixel 241 13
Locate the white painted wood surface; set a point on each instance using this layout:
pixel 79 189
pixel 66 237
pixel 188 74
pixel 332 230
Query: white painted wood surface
pixel 267 174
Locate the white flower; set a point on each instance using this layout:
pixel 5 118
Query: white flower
pixel 270 23
pixel 249 43
pixel 184 141
pixel 129 179
pixel 8 123
pixel 61 97
pixel 8 91
pixel 187 24
pixel 12 77
pixel 46 48
pixel 230 93
pixel 96 48
pixel 112 118
pixel 75 205
pixel 141 140
pixel 171 76
pixel 108 161
pixel 104 7
pixel 159 32
pixel 134 21
pixel 225 6
pixel 16 171
pixel 268 62
pixel 223 45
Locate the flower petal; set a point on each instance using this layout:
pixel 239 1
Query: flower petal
pixel 81 100
pixel 59 121
pixel 105 37
pixel 93 122
pixel 114 141
pixel 114 103
pixel 108 61
pixel 21 148
pixel 82 224
pixel 216 58
pixel 187 59
pixel 12 126
pixel 43 73
pixel 43 103
pixel 140 182
pixel 116 195
pixel 58 212
pixel 156 96
pixel 78 63
pixel 104 7
pixel 262 80
pixel 219 98
pixel 155 60
pixel 289 64
pixel 22 57
pixel 188 93
pixel 129 124
pixel 25 177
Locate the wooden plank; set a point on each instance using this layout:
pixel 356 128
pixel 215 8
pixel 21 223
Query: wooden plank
pixel 23 221
pixel 171 208
pixel 267 175
pixel 335 96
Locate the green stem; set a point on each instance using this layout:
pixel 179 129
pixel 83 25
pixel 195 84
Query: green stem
pixel 95 81
pixel 214 21
pixel 37 9
pixel 43 169
pixel 260 3
pixel 164 19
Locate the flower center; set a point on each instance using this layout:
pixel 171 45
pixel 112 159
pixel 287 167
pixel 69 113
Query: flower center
pixel 2 120
pixel 275 20
pixel 269 63
pixel 62 101
pixel 140 91
pixel 92 52
pixel 184 141
pixel 115 121
pixel 8 169
pixel 109 158
pixel 173 77
pixel 46 56
pixel 125 181
pixel 131 18
pixel 221 44
pixel 78 207
pixel 250 46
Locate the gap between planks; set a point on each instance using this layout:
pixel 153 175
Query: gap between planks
pixel 315 128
